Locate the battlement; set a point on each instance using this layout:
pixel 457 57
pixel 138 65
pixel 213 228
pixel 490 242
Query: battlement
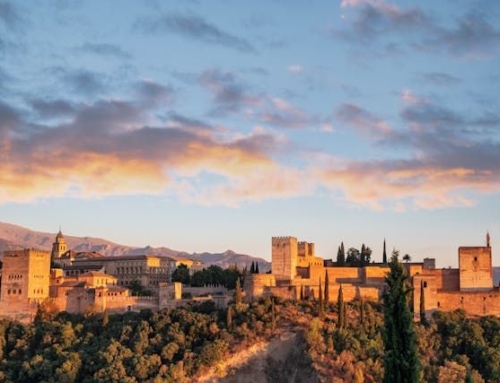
pixel 280 240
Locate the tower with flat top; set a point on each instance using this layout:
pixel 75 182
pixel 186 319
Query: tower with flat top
pixel 475 267
pixel 284 257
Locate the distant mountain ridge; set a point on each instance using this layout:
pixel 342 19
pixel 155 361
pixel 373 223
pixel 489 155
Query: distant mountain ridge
pixel 17 237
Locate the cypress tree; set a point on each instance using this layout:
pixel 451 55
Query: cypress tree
pixel 341 255
pixel 320 298
pixel 341 308
pixel 229 318
pixel 401 362
pixel 273 316
pixel 252 268
pixel 327 290
pixel 238 293
pixel 423 319
pixel 256 267
pixel 362 313
pixel 384 255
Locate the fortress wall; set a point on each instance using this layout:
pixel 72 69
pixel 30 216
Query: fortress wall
pixel 345 274
pixel 206 290
pixel 447 279
pixel 256 285
pixel 475 303
pixel 427 283
pixel 375 275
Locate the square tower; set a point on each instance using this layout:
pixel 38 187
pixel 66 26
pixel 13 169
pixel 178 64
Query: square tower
pixel 25 280
pixel 284 257
pixel 475 268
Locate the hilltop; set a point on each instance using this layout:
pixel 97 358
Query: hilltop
pixel 18 237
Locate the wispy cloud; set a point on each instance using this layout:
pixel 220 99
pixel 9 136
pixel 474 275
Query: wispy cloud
pixel 109 50
pixel 364 121
pixel 472 37
pixel 440 79
pixel 229 93
pixel 9 15
pixel 194 27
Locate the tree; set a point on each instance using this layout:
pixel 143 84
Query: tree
pixel 423 319
pixel 341 255
pixel 407 258
pixel 341 308
pixel 301 292
pixel 252 268
pixel 327 290
pixel 353 258
pixel 256 267
pixel 320 298
pixel 238 293
pixel 229 318
pixel 181 274
pixel 401 362
pixel 366 255
pixel 384 255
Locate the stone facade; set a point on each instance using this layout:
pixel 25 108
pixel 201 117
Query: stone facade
pixel 25 282
pixel 295 268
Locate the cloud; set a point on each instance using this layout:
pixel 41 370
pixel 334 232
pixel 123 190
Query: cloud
pixel 152 93
pixel 281 113
pixel 194 27
pixel 440 79
pixel 84 82
pixel 473 37
pixel 9 15
pixel 295 69
pixel 365 122
pixel 409 183
pixel 52 108
pixel 108 149
pixel 109 50
pixel 373 18
pixel 229 94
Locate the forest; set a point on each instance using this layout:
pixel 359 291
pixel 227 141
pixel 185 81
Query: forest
pixel 176 345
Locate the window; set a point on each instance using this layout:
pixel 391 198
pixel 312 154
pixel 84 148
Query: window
pixel 425 284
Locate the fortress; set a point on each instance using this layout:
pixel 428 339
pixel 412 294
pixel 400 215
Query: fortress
pixel 90 282
pixel 296 271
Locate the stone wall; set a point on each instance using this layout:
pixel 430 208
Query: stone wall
pixel 474 303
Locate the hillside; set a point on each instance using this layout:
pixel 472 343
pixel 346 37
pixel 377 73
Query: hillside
pixel 15 237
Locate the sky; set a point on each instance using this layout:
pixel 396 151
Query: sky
pixel 215 125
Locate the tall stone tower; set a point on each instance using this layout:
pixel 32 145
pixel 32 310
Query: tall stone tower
pixel 284 257
pixel 59 247
pixel 475 267
pixel 25 282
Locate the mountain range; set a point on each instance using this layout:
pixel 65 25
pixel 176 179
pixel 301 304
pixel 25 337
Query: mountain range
pixel 16 237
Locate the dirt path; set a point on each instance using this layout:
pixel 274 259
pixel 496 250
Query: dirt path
pixel 252 364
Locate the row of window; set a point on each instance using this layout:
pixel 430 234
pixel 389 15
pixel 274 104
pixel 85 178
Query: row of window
pixel 15 276
pixel 37 291
pixel 14 291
